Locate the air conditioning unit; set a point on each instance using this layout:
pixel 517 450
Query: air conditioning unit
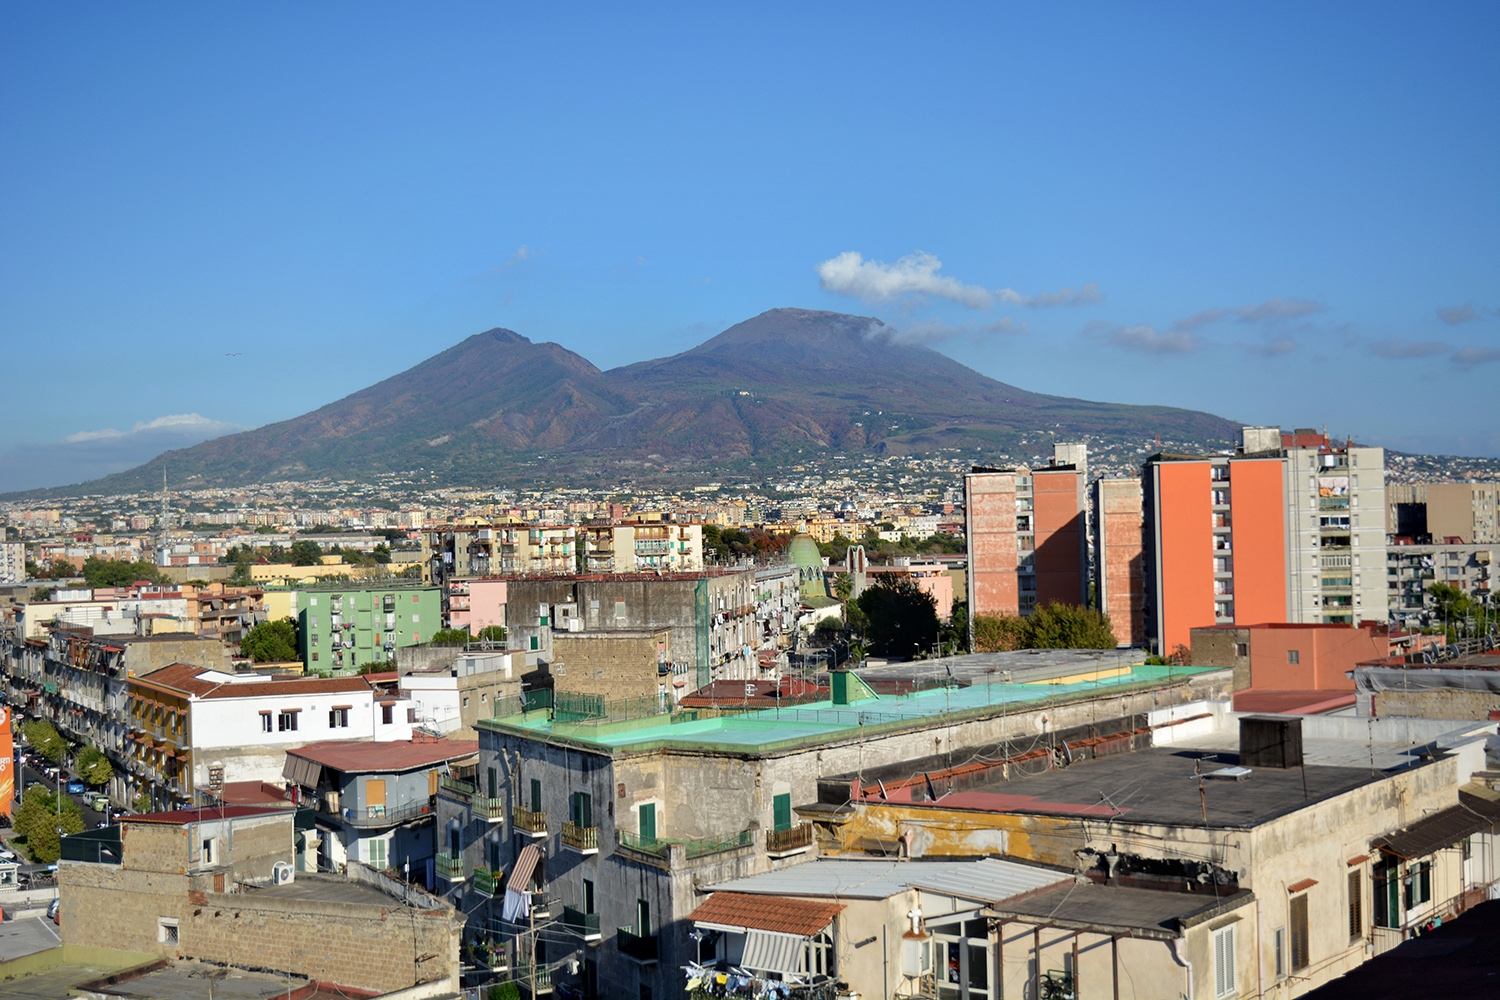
pixel 282 873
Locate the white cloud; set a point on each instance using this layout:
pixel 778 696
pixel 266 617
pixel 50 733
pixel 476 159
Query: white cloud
pixel 192 424
pixel 1456 314
pixel 1271 309
pixel 1274 349
pixel 928 331
pixel 1399 349
pixel 1475 355
pixel 1146 339
pixel 916 275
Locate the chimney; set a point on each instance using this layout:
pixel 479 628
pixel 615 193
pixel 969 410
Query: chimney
pixel 1270 741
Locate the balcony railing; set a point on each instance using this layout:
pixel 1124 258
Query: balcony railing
pixel 487 880
pixel 794 839
pixel 642 845
pixel 531 822
pixel 586 924
pixel 642 949
pixel 450 868
pixel 456 788
pixel 698 848
pixel 580 838
pixel 491 810
pixel 378 816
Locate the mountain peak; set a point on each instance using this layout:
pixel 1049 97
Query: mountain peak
pixel 501 336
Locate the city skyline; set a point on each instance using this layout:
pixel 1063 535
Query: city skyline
pixel 224 218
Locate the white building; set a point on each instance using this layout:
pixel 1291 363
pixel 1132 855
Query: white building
pixel 12 562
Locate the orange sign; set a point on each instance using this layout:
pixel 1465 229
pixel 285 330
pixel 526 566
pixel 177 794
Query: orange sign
pixel 7 762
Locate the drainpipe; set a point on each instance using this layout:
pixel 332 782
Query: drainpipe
pixel 1179 955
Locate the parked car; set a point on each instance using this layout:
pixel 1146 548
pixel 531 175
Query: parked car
pixel 54 912
pixel 76 787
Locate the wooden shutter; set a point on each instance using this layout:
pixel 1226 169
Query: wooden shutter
pixel 1356 905
pixel 1300 958
pixel 374 792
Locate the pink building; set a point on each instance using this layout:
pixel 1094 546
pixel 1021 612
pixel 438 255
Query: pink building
pixel 476 604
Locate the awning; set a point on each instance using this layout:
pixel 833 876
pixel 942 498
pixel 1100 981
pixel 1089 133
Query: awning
pixel 770 951
pixel 520 875
pixel 1430 835
pixel 301 771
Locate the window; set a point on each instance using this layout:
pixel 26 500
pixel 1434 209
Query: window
pixel 1293 656
pixel 1356 906
pixel 387 713
pixel 166 930
pixel 265 722
pixel 1224 961
pixel 1278 944
pixel 286 721
pixel 588 895
pixel 208 851
pixel 315 656
pixel 375 854
pixel 1387 881
pixel 1418 885
pixel 338 718
pixel 416 619
pixel 781 812
pixel 642 918
pixel 1300 958
pixel 582 809
pixel 315 638
pixel 536 795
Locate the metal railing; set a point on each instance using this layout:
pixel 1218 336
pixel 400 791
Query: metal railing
pixel 531 822
pixel 642 948
pixel 457 788
pixel 791 839
pixel 488 808
pixel 580 838
pixel 586 924
pixel 699 848
pixel 373 816
pixel 486 880
pixel 449 867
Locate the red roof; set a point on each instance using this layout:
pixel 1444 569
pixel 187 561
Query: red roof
pixel 766 913
pixel 189 680
pixel 182 817
pixel 391 755
pixel 1313 702
pixel 251 793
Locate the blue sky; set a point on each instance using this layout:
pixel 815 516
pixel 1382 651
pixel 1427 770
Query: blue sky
pixel 219 216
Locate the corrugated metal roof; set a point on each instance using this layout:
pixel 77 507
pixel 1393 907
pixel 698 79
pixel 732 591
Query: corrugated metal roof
pixel 987 879
pixel 799 917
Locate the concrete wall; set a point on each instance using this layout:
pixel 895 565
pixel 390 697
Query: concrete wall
pixel 361 945
pixel 990 511
pixel 1119 519
pixel 616 665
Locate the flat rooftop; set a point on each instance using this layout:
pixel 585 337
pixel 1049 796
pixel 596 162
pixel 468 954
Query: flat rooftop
pixel 329 889
pixel 996 680
pixel 1143 912
pixel 194 981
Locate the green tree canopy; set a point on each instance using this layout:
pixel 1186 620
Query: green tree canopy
pixel 1051 626
pixel 493 633
pixel 305 552
pixel 45 740
pixel 118 573
pixel 451 636
pixel 58 569
pixel 93 767
pixel 901 618
pixel 38 819
pixel 271 642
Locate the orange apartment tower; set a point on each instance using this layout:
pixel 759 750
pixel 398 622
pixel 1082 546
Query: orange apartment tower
pixel 1028 542
pixel 1215 544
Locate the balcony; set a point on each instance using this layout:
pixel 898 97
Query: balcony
pixel 457 788
pixel 449 867
pixel 491 810
pixel 784 843
pixel 634 946
pixel 487 880
pixel 380 816
pixel 583 839
pixel 586 924
pixel 532 824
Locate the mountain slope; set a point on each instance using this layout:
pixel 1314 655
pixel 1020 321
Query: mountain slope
pixel 786 379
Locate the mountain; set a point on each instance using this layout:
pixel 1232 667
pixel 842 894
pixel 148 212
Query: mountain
pixel 786 379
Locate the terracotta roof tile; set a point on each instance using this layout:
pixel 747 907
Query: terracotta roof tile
pixel 370 756
pixel 767 913
pixel 1300 884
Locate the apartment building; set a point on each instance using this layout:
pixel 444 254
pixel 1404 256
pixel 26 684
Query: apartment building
pixel 342 627
pixel 1411 568
pixel 376 801
pixel 1027 535
pixel 1272 533
pixel 1465 512
pixel 645 546
pixel 1117 522
pixel 12 562
pixel 193 730
pixel 507 547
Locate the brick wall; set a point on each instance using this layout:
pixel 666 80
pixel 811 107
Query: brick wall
pixel 361 945
pixel 616 666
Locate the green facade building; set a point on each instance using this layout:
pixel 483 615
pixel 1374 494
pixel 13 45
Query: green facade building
pixel 344 627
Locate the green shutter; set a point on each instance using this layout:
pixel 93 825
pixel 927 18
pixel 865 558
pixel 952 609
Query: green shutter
pixel 648 821
pixel 494 784
pixel 536 795
pixel 781 812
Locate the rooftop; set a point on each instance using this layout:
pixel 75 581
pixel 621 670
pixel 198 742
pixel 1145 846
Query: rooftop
pixel 782 916
pixel 328 889
pixel 360 756
pixel 996 681
pixel 986 879
pixel 207 814
pixel 1141 912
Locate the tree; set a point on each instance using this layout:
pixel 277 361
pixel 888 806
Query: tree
pixel 118 573
pixel 381 554
pixel 956 630
pixel 45 740
pixel 902 618
pixel 38 819
pixel 267 529
pixel 59 569
pixel 451 637
pixel 41 594
pixel 306 552
pixel 1051 626
pixel 93 767
pixel 142 802
pixel 493 633
pixel 378 667
pixel 843 586
pixel 271 642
